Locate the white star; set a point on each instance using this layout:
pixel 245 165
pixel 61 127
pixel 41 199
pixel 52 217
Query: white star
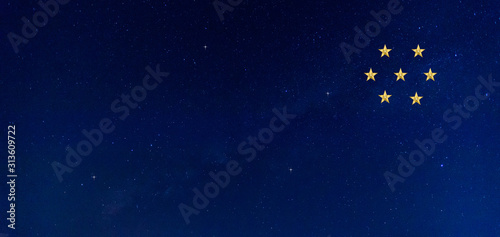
pixel 205 47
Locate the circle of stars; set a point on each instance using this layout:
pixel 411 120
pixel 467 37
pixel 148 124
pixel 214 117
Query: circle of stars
pixel 400 75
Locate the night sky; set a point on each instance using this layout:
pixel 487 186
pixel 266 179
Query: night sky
pixel 250 118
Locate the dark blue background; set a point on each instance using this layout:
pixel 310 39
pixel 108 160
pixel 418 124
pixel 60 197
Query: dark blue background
pixel 264 55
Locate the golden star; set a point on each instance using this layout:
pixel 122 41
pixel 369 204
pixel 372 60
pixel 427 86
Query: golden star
pixel 400 74
pixel 418 51
pixel 371 75
pixel 385 97
pixel 430 75
pixel 416 98
pixel 385 51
